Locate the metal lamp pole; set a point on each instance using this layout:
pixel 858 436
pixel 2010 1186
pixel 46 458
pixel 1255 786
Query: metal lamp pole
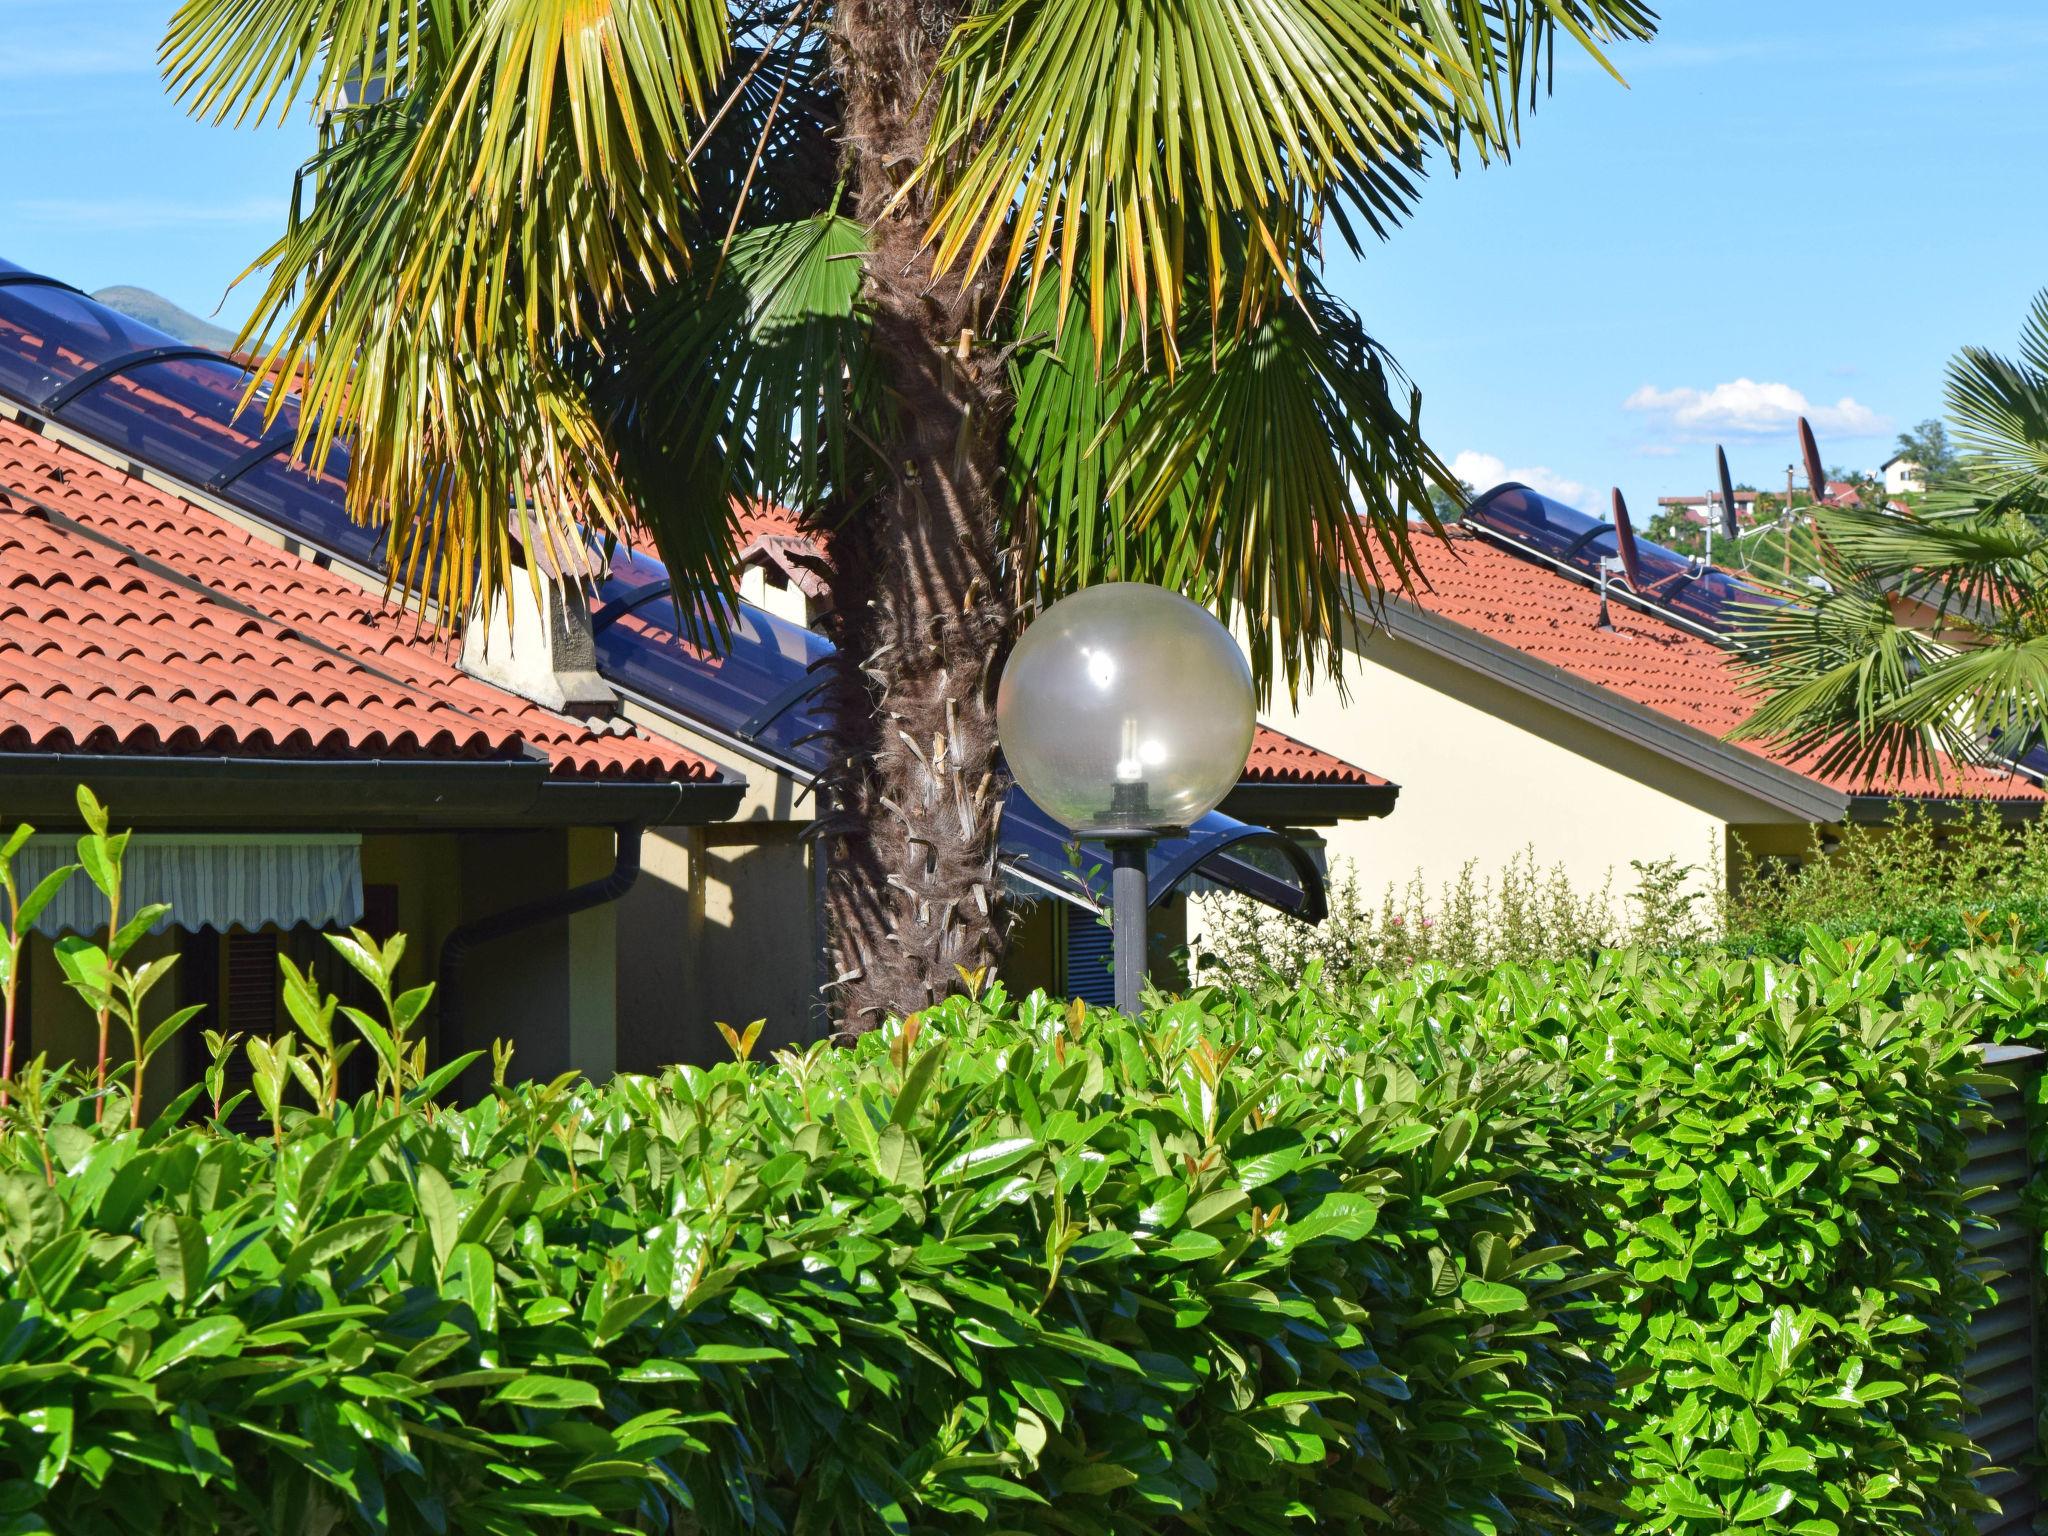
pixel 1129 904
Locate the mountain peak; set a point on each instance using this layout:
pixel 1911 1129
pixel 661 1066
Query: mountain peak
pixel 154 309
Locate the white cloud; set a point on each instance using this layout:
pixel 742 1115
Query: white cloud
pixel 1746 408
pixel 1483 471
pixel 146 212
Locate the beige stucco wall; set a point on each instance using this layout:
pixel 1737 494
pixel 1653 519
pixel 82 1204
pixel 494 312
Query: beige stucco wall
pixel 1487 772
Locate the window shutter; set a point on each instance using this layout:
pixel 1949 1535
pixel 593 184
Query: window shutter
pixel 249 991
pixel 1088 975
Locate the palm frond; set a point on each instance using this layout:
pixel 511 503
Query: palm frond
pixel 1985 703
pixel 1117 135
pixel 244 59
pixel 1837 672
pixel 770 153
pixel 556 153
pixel 747 382
pixel 1971 564
pixel 1269 477
pixel 2001 411
pixel 459 241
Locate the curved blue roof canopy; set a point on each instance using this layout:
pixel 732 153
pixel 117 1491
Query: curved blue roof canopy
pixel 178 409
pixel 758 688
pixel 52 336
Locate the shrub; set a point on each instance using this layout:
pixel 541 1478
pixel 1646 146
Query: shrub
pixel 1520 914
pixel 1629 1243
pixel 1785 1204
pixel 1964 884
pixel 1012 1267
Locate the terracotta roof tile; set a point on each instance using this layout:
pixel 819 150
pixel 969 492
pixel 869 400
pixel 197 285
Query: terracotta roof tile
pixel 1278 758
pixel 163 628
pixel 1552 618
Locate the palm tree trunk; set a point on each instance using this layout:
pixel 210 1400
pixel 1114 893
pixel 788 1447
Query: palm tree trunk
pixel 913 896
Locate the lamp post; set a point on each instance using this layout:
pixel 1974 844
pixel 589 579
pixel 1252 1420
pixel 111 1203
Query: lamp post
pixel 1126 713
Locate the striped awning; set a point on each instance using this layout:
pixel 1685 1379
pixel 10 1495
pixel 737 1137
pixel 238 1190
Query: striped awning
pixel 219 881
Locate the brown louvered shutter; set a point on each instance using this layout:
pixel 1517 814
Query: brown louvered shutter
pixel 248 1007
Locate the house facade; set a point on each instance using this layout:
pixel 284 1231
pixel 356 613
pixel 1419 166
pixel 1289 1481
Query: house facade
pixel 1521 710
pixel 296 755
pixel 1700 510
pixel 593 828
pixel 1902 475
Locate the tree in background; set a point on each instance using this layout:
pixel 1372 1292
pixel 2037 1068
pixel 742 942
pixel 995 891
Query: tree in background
pixel 1928 446
pixel 1675 531
pixel 1447 503
pixel 1934 637
pixel 1006 296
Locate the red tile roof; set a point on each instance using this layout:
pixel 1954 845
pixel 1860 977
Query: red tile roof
pixel 1278 758
pixel 156 627
pixel 1552 618
pixel 764 520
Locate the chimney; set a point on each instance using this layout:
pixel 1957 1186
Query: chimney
pixel 540 648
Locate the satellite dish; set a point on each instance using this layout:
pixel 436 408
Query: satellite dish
pixel 1816 477
pixel 1625 542
pixel 1727 495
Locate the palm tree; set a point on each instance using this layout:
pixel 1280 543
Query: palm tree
pixel 1933 640
pixel 1007 296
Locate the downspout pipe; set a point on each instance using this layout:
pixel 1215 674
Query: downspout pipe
pixel 530 914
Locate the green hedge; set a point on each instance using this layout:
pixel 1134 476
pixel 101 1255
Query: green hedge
pixel 1785 1202
pixel 1011 1269
pixel 1637 1244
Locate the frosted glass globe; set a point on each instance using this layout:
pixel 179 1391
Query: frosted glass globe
pixel 1126 709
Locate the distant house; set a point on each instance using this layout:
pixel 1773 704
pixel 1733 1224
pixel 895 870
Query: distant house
pixel 1696 510
pixel 1514 718
pixel 1902 475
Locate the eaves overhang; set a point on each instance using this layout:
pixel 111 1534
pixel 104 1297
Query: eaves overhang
pixel 195 791
pixel 1282 804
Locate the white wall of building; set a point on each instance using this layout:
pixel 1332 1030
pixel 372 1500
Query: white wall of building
pixel 1487 772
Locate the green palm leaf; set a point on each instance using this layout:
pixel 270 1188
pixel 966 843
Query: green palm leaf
pixel 244 59
pixel 1934 639
pixel 750 384
pixel 1268 477
pixel 2000 408
pixel 1107 141
pixel 1838 673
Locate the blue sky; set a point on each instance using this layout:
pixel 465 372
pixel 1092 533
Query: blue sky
pixel 1817 200
pixel 1809 202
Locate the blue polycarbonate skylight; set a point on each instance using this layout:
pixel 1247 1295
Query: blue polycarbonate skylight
pixel 1690 590
pixel 184 415
pixel 50 337
pixel 309 504
pixel 1548 527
